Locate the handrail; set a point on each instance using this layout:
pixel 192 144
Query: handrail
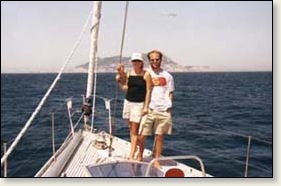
pixel 6 161
pixel 175 158
pixel 247 157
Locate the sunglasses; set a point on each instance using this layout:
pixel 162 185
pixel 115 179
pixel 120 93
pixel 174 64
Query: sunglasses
pixel 156 60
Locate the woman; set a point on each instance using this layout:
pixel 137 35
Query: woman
pixel 137 84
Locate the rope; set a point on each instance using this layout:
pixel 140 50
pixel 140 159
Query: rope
pixel 120 61
pixel 39 106
pixel 124 30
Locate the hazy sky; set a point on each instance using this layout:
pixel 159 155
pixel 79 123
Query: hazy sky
pixel 230 36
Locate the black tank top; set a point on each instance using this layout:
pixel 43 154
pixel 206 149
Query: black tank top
pixel 136 89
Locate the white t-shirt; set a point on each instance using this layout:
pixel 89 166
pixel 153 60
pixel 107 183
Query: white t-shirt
pixel 163 84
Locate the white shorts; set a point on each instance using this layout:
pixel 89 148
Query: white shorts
pixel 132 111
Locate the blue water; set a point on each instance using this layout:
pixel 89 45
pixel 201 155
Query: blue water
pixel 213 115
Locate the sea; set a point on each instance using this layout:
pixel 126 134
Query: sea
pixel 218 116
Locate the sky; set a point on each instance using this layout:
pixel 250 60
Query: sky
pixel 225 36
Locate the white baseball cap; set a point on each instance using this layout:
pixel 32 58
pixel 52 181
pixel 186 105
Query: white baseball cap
pixel 136 57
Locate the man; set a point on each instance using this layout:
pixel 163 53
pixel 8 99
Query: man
pixel 158 119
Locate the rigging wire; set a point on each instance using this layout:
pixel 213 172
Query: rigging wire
pixel 41 103
pixel 120 62
pixel 124 31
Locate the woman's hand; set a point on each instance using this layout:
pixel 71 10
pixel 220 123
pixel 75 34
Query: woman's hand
pixel 120 69
pixel 144 111
pixel 121 75
pixel 117 78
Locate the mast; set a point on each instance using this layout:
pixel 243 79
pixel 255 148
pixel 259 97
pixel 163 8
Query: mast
pixel 91 90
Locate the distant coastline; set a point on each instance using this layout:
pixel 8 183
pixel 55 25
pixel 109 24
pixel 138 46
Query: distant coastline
pixel 108 65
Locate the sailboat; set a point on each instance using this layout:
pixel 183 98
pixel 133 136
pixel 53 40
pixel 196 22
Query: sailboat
pixel 88 152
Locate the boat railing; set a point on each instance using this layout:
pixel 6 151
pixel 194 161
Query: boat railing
pixel 192 157
pixel 61 157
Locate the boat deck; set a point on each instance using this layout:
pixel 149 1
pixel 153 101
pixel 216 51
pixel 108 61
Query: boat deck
pixel 82 156
pixel 87 154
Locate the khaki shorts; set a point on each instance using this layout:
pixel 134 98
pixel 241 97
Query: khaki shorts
pixel 157 122
pixel 132 111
